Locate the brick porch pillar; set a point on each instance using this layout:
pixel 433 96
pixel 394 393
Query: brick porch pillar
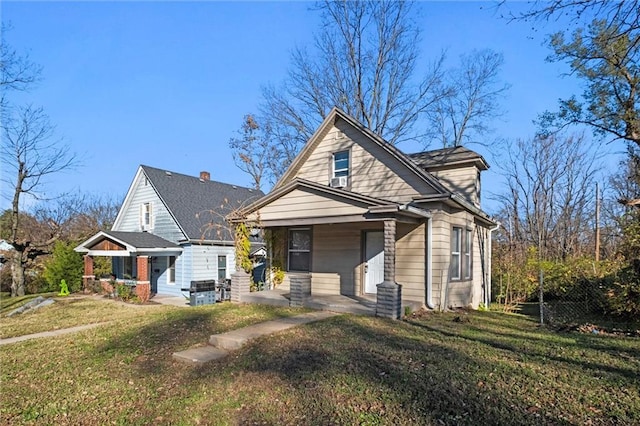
pixel 143 269
pixel 88 272
pixel 389 295
pixel 143 284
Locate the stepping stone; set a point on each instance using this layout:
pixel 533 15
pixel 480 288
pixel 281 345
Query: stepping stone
pixel 200 355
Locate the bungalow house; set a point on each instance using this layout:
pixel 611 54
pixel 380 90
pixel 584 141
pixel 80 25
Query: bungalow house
pixel 170 230
pixel 354 216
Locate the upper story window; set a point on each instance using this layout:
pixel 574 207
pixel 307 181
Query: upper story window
pixel 341 164
pixel 145 216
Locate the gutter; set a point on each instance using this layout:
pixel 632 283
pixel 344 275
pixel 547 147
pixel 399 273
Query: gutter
pixel 487 293
pixel 429 301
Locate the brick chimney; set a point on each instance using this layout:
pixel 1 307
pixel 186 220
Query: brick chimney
pixel 206 176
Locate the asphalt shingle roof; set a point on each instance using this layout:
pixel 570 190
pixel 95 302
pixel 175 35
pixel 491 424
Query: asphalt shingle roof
pixel 439 157
pixel 200 206
pixel 141 239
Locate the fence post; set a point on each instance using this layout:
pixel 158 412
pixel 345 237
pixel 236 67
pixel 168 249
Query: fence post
pixel 541 297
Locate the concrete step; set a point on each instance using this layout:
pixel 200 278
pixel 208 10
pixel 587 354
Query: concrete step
pixel 220 344
pixel 235 339
pixel 200 355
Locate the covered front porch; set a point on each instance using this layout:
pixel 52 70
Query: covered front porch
pixel 343 250
pixel 139 259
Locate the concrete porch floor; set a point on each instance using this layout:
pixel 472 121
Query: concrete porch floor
pixel 362 305
pixel 334 303
pixel 280 297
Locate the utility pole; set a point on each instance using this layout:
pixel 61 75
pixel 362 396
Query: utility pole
pixel 597 222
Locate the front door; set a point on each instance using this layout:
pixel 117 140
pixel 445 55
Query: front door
pixel 374 261
pixel 154 267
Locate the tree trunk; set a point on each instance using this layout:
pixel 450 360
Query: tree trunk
pixel 17 274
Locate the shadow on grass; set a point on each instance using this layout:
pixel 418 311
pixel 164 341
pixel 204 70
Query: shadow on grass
pixel 342 371
pixel 148 349
pixel 8 303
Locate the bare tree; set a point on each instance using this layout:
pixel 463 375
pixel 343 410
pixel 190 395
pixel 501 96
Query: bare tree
pixel 92 213
pixel 364 61
pixel 30 153
pixel 549 196
pixel 251 150
pixel 472 98
pixel 17 72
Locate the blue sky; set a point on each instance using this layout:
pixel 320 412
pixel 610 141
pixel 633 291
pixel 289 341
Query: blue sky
pixel 166 84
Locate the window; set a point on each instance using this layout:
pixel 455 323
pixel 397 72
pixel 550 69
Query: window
pixel 341 164
pixel 300 249
pixel 171 269
pixel 145 216
pixel 456 244
pixel 466 266
pixel 222 268
pixel 461 253
pixel 129 265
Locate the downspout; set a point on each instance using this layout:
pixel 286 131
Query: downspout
pixel 487 293
pixel 430 304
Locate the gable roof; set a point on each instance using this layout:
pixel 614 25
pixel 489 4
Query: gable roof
pixel 140 239
pixel 447 157
pixel 198 206
pixel 416 163
pixel 335 114
pixel 133 242
pixel 196 203
pixel 298 183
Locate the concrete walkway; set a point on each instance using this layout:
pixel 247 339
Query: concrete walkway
pixel 53 333
pixel 221 344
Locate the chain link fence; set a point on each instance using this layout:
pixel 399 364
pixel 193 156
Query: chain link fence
pixel 582 303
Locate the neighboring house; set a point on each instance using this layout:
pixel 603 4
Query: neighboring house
pixel 170 230
pixel 353 215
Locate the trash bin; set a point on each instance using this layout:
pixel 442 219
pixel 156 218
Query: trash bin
pixel 202 292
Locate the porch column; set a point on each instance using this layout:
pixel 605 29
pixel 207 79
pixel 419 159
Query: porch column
pixel 143 285
pixel 240 285
pixel 389 295
pixel 300 289
pixel 88 272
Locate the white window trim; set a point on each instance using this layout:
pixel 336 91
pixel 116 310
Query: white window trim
pixel 456 252
pixel 333 163
pixel 468 249
pixel 169 268
pixel 226 265
pixel 144 224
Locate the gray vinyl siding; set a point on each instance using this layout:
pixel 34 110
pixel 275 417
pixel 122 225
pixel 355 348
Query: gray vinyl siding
pixel 337 258
pixel 447 292
pixel 411 261
pixel 163 224
pixel 463 180
pixel 197 262
pixel 204 264
pixel 182 276
pixel 372 171
pixel 303 204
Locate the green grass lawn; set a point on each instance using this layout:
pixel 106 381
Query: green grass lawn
pixel 476 368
